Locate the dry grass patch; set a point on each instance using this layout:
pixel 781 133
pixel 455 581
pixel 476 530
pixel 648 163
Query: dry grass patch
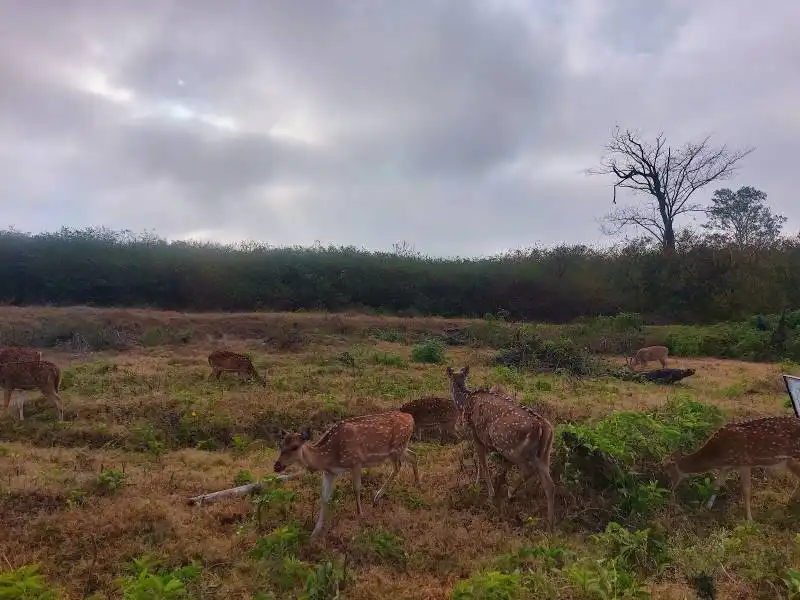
pixel 146 430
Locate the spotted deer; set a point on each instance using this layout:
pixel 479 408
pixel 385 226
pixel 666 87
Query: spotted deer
pixel 225 361
pixel 31 375
pixel 765 442
pixel 350 445
pixel 432 412
pixel 16 354
pixel 519 435
pixel 644 355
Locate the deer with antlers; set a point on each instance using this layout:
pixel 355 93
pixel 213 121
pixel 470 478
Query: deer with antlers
pixel 350 445
pixel 519 435
pixel 765 442
pixel 225 361
pixel 31 375
pixel 645 355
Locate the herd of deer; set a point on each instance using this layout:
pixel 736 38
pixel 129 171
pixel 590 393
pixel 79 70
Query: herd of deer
pixel 491 420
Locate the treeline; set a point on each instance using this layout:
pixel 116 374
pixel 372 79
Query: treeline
pixel 701 282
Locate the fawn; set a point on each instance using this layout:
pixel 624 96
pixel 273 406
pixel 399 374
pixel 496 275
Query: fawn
pixel 350 445
pixel 644 355
pixel 764 442
pixel 225 361
pixel 31 375
pixel 521 436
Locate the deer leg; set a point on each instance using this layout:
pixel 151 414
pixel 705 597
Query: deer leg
pixel 744 475
pixel 59 404
pixel 411 458
pixel 546 479
pixel 500 481
pixel 483 467
pixel 718 481
pixel 794 467
pixel 355 473
pixel 328 482
pixel 392 475
pixel 7 398
pixel 21 406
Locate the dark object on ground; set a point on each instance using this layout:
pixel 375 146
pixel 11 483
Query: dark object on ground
pixel 761 324
pixel 662 376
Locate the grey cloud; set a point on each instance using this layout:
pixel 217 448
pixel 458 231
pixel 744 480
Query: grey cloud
pixel 426 113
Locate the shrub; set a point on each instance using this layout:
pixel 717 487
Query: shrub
pixel 25 583
pixel 429 351
pixel 389 360
pixel 489 585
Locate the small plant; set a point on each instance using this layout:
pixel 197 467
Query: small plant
pixel 605 579
pixel 146 437
pixel 644 550
pixel 489 585
pixel 109 481
pixel 280 542
pixel 25 583
pixel 386 545
pixel 792 582
pixel 243 477
pixel 324 582
pixel 389 360
pixel 273 497
pixel 430 351
pixel 76 497
pixel 148 582
pixel 240 444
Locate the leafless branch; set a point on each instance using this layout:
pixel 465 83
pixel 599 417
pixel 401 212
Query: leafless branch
pixel 668 175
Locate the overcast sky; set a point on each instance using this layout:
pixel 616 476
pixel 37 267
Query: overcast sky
pixel 462 127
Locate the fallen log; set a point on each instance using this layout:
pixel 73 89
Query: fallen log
pixel 241 490
pixel 662 376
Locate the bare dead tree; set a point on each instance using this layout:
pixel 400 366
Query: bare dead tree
pixel 669 176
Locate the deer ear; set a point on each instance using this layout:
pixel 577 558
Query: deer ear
pixel 305 435
pixel 449 371
pixel 465 370
pixel 283 433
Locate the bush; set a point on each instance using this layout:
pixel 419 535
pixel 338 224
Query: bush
pixel 490 585
pixel 530 352
pixel 429 351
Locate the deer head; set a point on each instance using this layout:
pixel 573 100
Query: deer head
pixel 671 469
pixel 290 446
pixel 458 385
pixel 458 378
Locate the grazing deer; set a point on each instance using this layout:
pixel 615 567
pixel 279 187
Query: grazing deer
pixel 17 354
pixel 350 445
pixel 225 361
pixel 521 436
pixel 433 412
pixel 29 375
pixel 765 442
pixel 644 355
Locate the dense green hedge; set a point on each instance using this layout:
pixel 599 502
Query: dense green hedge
pixel 699 283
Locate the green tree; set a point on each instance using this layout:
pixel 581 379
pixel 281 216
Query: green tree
pixel 743 218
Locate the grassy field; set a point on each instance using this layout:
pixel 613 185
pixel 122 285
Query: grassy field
pixel 99 501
